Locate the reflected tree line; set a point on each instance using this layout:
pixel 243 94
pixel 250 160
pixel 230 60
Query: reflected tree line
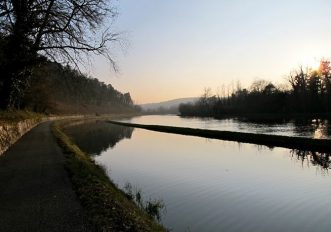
pixel 96 137
pixel 315 158
pixel 307 91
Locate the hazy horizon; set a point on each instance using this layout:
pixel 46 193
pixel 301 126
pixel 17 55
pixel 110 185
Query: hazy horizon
pixel 177 48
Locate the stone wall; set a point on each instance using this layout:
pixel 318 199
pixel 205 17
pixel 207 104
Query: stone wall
pixel 11 132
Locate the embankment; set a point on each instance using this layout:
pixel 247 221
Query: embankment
pixel 108 208
pixel 10 132
pixel 320 145
pixel 13 125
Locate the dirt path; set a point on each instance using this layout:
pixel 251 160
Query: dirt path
pixel 35 191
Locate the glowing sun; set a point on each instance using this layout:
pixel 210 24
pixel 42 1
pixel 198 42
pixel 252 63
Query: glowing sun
pixel 311 63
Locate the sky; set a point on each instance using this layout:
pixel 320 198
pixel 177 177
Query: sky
pixel 177 48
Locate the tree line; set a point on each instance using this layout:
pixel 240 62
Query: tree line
pixel 62 31
pixel 307 91
pixel 55 88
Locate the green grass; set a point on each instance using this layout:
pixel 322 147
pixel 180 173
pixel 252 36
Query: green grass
pixel 108 208
pixel 321 145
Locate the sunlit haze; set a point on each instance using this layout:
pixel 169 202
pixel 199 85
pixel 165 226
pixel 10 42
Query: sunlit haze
pixel 175 49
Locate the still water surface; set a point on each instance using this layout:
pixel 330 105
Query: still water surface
pixel 214 185
pixel 316 128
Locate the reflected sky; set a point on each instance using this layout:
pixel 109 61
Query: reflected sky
pixel 215 185
pixel 316 128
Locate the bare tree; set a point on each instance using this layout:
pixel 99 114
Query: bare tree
pixel 61 30
pixel 298 80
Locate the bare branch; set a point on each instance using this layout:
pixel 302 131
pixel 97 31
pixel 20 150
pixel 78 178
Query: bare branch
pixel 60 28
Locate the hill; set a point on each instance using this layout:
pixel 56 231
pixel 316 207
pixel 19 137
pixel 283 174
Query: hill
pixel 170 106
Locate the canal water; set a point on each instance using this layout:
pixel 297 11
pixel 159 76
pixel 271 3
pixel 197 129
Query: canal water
pixel 312 128
pixel 215 185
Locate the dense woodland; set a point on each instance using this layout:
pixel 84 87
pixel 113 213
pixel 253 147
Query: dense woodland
pixel 58 89
pixel 307 92
pixel 39 39
pixel 54 88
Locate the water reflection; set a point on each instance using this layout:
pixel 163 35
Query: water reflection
pixel 315 158
pixel 215 185
pixel 94 137
pixel 312 128
pixel 315 128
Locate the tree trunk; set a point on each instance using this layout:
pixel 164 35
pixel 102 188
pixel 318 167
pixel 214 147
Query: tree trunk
pixel 18 60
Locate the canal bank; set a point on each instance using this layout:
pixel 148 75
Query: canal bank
pixel 40 192
pixel 108 208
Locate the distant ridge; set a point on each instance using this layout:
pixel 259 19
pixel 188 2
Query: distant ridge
pixel 168 104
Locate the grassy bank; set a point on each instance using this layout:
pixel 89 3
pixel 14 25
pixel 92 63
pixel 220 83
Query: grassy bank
pixel 322 145
pixel 18 115
pixel 108 208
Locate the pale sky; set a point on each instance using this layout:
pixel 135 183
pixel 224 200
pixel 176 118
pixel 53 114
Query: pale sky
pixel 176 48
